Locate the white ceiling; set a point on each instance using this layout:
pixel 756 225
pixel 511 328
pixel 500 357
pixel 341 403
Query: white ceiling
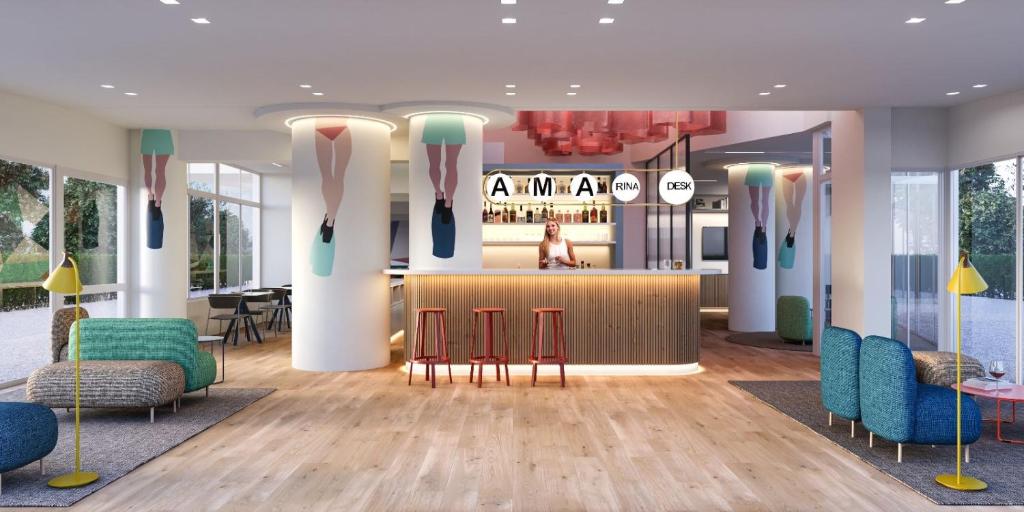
pixel 658 54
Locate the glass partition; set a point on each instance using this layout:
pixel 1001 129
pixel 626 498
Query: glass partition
pixel 916 246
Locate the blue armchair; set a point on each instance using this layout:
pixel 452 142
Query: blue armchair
pixel 840 374
pixel 898 408
pixel 28 432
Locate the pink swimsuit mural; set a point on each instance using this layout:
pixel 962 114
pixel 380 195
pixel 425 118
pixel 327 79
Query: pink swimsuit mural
pixel 794 187
pixel 333 150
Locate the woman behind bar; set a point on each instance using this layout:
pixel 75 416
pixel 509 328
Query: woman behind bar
pixel 555 252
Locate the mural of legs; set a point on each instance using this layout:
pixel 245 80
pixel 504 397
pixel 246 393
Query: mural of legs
pixel 794 187
pixel 449 131
pixel 759 185
pixel 333 151
pixel 157 148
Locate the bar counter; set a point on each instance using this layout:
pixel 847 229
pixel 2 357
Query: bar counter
pixel 612 316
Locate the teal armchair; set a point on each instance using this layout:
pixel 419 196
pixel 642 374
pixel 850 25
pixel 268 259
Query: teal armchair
pixel 147 339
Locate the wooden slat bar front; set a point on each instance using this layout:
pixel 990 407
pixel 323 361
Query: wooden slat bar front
pixel 611 317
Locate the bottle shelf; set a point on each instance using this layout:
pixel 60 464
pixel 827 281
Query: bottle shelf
pixel 535 243
pixel 541 224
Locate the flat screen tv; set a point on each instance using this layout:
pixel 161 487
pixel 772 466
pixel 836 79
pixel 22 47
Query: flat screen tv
pixel 714 243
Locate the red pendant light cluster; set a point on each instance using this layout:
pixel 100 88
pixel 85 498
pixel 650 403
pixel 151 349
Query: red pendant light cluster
pixel 559 133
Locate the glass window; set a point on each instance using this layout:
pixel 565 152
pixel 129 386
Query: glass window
pixel 201 250
pixel 99 305
pixel 230 181
pixel 90 229
pixel 202 177
pixel 229 247
pixel 987 206
pixel 249 186
pixel 248 227
pixel 916 242
pixel 24 264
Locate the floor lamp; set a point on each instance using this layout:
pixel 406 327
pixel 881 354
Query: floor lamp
pixel 965 279
pixel 64 279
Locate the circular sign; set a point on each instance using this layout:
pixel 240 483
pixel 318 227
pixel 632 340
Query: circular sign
pixel 583 186
pixel 499 187
pixel 676 187
pixel 542 186
pixel 625 187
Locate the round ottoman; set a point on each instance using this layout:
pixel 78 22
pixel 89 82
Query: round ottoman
pixel 28 432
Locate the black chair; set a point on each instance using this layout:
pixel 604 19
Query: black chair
pixel 280 310
pixel 256 301
pixel 232 302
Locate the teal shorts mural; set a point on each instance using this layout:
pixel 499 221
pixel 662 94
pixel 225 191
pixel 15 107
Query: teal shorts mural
pixel 759 179
pixel 156 149
pixel 449 131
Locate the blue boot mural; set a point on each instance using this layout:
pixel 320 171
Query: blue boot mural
pixel 760 247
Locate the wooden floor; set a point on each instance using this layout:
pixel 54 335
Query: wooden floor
pixel 354 441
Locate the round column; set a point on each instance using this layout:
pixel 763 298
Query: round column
pixel 794 271
pixel 340 225
pixel 445 201
pixel 752 247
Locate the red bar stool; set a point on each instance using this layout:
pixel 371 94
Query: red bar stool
pixel 537 354
pixel 489 356
pixel 440 353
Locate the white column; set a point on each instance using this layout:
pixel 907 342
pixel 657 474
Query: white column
pixel 862 221
pixel 435 241
pixel 752 247
pixel 340 294
pixel 794 269
pixel 160 283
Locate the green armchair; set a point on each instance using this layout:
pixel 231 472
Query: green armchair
pixel 793 319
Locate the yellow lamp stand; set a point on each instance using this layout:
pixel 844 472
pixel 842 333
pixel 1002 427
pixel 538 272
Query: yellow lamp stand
pixel 64 279
pixel 965 279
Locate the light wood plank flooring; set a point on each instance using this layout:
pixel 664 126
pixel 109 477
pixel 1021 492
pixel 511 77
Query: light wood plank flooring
pixel 354 441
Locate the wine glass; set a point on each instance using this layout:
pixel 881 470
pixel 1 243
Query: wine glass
pixel 997 369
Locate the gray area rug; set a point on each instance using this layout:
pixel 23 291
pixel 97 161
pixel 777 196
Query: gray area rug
pixel 998 464
pixel 765 340
pixel 116 441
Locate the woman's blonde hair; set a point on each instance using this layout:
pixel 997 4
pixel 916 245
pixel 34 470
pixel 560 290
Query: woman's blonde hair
pixel 546 241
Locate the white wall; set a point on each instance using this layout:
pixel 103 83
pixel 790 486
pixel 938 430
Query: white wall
pixel 234 146
pixel 276 230
pixel 919 139
pixel 986 130
pixel 748 125
pixel 707 219
pixel 43 133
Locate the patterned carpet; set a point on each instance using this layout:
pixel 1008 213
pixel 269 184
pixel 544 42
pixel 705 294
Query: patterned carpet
pixel 116 441
pixel 996 463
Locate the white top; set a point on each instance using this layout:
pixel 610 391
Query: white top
pixel 556 250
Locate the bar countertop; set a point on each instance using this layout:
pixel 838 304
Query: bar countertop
pixel 539 272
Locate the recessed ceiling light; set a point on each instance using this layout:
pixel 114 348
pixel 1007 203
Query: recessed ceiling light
pixel 914 21
pixel 508 2
pixel 605 21
pixel 306 86
pixel 954 2
pixel 508 21
pixel 780 86
pixel 510 93
pixel 318 94
pixel 615 2
pixel 574 86
pixel 510 86
pixel 107 86
pixel 952 93
pixel 170 2
pixel 764 93
pixel 570 94
pixel 275 164
pixel 201 21
pixel 980 86
pixel 744 152
pixel 131 94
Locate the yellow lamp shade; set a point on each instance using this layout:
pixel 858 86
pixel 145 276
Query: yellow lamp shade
pixel 64 278
pixel 966 278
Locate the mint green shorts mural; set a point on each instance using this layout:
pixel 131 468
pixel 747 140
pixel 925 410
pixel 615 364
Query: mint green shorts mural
pixel 157 142
pixel 444 129
pixel 759 176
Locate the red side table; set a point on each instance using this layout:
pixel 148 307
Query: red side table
pixel 1010 393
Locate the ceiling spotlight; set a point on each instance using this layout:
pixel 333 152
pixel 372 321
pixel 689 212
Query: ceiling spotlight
pixel 780 86
pixel 764 93
pixel 744 152
pixel 952 93
pixel 914 21
pixel 318 94
pixel 275 164
pixel 606 21
pixel 508 2
pixel 510 86
pixel 131 94
pixel 510 93
pixel 980 86
pixel 574 86
pixel 201 21
pixel 570 94
pixel 107 86
pixel 170 2
pixel 955 2
pixel 306 86
pixel 615 2
pixel 508 21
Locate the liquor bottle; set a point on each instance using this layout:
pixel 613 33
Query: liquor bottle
pixel 490 214
pixel 576 217
pixel 586 215
pixel 593 212
pixel 519 186
pixel 512 214
pixel 484 219
pixel 529 214
pixel 504 214
pixel 544 213
pixel 604 214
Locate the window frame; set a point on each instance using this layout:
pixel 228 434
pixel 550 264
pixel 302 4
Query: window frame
pixel 217 199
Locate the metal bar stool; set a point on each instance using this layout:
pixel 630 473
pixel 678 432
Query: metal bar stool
pixel 489 356
pixel 558 349
pixel 440 353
